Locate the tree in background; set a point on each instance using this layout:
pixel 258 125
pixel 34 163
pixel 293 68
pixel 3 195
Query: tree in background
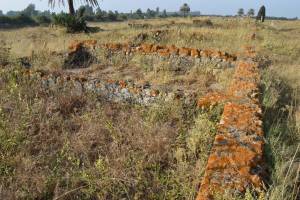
pixel 112 16
pixel 185 9
pixel 46 13
pixel 30 10
pixel 164 14
pixel 139 13
pixel 157 11
pixel 261 14
pixel 100 14
pixel 12 13
pixel 241 12
pixel 88 10
pixel 251 12
pixel 150 13
pixel 71 4
pixel 1 13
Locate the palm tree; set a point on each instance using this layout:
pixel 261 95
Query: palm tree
pixel 71 4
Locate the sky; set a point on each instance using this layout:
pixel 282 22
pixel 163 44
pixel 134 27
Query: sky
pixel 278 8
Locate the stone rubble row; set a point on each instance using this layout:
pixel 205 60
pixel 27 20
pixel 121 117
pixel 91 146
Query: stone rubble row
pixel 236 160
pixel 160 50
pixel 125 91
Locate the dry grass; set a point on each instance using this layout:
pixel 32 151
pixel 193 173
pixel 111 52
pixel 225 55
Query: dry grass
pixel 70 147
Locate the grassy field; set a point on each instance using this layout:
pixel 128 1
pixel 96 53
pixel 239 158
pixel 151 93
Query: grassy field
pixel 63 146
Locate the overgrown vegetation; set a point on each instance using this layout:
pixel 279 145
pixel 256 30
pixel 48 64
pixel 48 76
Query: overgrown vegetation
pixel 57 145
pixel 67 146
pixel 72 23
pixel 18 21
pixel 283 137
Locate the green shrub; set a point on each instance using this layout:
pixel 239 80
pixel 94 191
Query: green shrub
pixel 72 23
pixel 5 20
pixel 21 20
pixel 282 137
pixel 42 19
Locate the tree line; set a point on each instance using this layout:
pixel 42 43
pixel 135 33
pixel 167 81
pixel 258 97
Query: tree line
pixel 97 14
pixel 92 12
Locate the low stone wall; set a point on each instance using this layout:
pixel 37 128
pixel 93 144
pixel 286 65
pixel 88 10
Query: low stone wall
pixel 236 159
pixel 167 51
pixel 110 90
pixel 221 59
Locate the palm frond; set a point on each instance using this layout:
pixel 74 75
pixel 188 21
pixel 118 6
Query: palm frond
pixel 52 2
pixel 91 2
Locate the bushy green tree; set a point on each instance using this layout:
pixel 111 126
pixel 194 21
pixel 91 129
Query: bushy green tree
pixel 112 16
pixel 100 14
pixel 150 13
pixel 30 10
pixel 139 13
pixel 251 12
pixel 185 9
pixel 123 16
pixel 241 12
pixel 88 10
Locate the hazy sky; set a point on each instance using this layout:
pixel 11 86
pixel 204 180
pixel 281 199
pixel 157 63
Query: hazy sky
pixel 286 8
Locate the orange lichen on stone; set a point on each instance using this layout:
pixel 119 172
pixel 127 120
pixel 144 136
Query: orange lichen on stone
pixel 173 50
pixel 76 44
pixel 146 48
pixel 90 43
pixel 155 48
pixel 211 99
pixel 195 53
pixel 164 52
pixel 229 58
pixel 126 48
pixel 111 81
pixel 122 83
pixel 249 51
pixel 236 159
pixel 245 80
pixel 216 54
pixel 113 46
pixel 206 53
pixel 184 51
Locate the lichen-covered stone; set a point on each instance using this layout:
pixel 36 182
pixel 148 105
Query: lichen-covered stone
pixel 236 159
